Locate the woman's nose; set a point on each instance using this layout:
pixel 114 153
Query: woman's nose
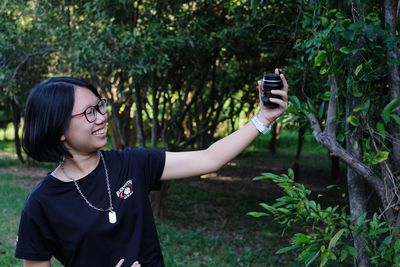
pixel 100 118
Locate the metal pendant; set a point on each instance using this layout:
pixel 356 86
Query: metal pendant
pixel 112 217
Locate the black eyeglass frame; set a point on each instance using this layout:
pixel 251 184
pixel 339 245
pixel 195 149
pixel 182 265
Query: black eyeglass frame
pixel 96 109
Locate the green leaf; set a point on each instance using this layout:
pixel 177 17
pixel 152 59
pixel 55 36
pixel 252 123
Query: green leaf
pixel 343 255
pixel 321 57
pixel 332 12
pixel 397 245
pixel 335 238
pixel 295 100
pixel 300 238
pixel 324 69
pixel 352 251
pixel 386 241
pixel 345 50
pixel 363 107
pixel 256 214
pixel 380 127
pixel 395 118
pixel 313 259
pixel 269 208
pixel 265 176
pixel 324 258
pixel 378 232
pixel 287 249
pixel 324 21
pixel 341 137
pixel 312 204
pixel 380 157
pixel 283 210
pixel 353 120
pixel 385 114
pixel 358 69
pixel 291 173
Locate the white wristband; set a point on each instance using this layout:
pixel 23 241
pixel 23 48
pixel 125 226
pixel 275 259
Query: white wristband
pixel 260 126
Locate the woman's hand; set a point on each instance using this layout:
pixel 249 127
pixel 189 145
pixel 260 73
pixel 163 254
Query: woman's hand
pixel 268 115
pixel 121 261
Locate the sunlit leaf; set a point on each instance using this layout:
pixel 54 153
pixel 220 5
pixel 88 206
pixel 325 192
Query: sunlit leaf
pixel 257 214
pixel 380 157
pixel 353 120
pixel 358 69
pixel 321 57
pixel 335 238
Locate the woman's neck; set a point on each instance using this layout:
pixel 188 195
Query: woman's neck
pixel 76 167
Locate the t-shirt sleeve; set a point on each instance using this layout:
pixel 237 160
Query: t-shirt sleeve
pixel 31 241
pixel 152 161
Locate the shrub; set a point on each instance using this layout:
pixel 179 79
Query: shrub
pixel 327 234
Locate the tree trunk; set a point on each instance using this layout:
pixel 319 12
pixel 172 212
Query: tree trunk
pixel 356 188
pixel 355 183
pixel 140 136
pixel 154 122
pixel 276 134
pixel 394 78
pixel 300 142
pixel 16 122
pixel 117 139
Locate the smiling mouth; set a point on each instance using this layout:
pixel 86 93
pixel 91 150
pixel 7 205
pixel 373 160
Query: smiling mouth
pixel 99 132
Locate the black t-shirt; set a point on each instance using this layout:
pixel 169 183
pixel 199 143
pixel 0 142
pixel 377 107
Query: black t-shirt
pixel 57 221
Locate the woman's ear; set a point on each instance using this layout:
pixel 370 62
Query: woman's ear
pixel 62 138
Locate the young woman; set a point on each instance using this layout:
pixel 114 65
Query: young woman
pixel 93 208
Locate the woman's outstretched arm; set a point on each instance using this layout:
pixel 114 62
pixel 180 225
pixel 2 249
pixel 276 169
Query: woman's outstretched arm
pixel 192 163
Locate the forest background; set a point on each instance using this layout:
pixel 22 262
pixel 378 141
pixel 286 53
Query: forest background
pixel 180 74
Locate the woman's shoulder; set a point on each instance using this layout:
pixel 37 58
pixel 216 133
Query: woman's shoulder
pixel 34 198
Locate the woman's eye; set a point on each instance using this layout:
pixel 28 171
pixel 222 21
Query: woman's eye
pixel 90 111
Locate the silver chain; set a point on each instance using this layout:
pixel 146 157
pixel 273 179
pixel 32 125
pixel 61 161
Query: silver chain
pixel 80 191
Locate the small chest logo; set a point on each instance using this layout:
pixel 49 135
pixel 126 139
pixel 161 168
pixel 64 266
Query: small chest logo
pixel 126 190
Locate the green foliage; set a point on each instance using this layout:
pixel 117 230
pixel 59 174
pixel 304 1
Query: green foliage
pixel 389 112
pixel 190 65
pixel 326 234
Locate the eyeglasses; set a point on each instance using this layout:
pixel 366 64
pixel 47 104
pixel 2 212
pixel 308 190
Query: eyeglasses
pixel 91 112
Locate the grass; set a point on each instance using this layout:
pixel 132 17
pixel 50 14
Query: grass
pixel 209 227
pixel 288 143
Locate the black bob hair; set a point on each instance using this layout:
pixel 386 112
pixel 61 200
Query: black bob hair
pixel 48 115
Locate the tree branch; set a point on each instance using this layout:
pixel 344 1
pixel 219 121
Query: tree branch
pixel 337 150
pixel 25 59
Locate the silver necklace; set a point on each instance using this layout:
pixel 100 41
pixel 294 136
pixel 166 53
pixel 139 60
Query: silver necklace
pixel 112 216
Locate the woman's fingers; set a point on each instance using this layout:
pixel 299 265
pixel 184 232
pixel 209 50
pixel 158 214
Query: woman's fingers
pixel 285 84
pixel 121 261
pixel 283 78
pixel 119 264
pixel 280 102
pixel 280 93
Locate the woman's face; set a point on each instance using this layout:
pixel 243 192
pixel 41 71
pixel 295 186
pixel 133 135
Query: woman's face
pixel 82 136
